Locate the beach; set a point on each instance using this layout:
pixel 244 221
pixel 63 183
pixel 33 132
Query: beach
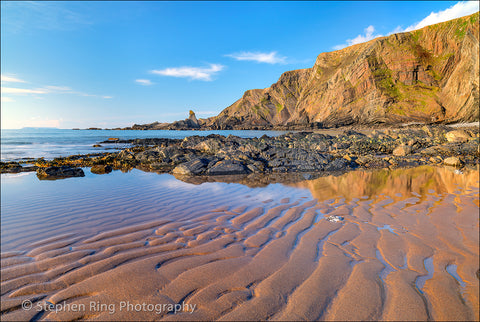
pixel 309 161
pixel 389 244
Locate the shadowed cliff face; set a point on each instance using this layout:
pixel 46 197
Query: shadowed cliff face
pixel 428 75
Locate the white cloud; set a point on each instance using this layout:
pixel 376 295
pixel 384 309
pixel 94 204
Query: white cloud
pixel 10 79
pixel 269 58
pixel 200 73
pixel 458 10
pixel 144 82
pixel 7 99
pixel 48 90
pixel 369 35
pixel 12 90
pixel 396 30
pixel 69 90
pixel 88 95
pixel 58 88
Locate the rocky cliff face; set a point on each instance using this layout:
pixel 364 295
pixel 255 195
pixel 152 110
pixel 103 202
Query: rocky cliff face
pixel 428 75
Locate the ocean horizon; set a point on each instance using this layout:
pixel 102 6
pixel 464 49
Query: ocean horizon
pixel 31 143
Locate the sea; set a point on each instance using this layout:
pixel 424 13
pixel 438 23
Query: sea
pixel 48 143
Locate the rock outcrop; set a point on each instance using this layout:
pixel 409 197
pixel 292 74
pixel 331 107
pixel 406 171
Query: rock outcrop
pixel 310 153
pixel 430 75
pixel 190 123
pixel 62 172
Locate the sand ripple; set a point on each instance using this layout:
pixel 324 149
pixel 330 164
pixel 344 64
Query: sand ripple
pixel 391 258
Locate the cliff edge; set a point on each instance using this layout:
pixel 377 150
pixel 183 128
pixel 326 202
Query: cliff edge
pixel 430 75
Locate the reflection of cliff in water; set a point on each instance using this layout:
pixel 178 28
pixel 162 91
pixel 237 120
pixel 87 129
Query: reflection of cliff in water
pixel 421 180
pixel 253 180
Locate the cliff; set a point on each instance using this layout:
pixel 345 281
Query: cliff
pixel 430 75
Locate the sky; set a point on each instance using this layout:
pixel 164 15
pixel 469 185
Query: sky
pixel 79 64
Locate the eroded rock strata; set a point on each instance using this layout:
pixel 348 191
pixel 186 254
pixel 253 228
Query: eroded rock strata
pixel 430 75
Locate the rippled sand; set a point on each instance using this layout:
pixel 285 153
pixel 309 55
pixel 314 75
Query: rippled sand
pixel 407 249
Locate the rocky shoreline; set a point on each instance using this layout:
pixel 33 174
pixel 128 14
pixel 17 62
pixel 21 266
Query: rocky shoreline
pixel 198 158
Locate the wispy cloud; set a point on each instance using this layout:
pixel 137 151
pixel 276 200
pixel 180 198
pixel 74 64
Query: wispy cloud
pixel 259 57
pixel 7 99
pixel 69 90
pixel 11 79
pixel 369 35
pixel 13 90
pixel 144 82
pixel 58 88
pixel 193 73
pixel 48 89
pixel 458 10
pixel 27 15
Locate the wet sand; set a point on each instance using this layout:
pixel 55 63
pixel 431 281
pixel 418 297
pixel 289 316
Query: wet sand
pixel 407 249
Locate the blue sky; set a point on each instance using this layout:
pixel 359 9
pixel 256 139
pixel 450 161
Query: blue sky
pixel 107 64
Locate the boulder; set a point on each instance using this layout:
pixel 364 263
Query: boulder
pixel 402 150
pixel 193 167
pixel 59 172
pixel 10 167
pixel 457 136
pixel 209 146
pixel 453 161
pixel 304 166
pixel 338 165
pixel 101 169
pixel 124 155
pixel 148 156
pixel 227 167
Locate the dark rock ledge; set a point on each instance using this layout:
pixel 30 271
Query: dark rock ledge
pixel 300 152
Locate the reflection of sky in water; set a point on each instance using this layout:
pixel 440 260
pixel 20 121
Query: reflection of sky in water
pixel 452 270
pixel 387 227
pixel 96 202
pixel 420 282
